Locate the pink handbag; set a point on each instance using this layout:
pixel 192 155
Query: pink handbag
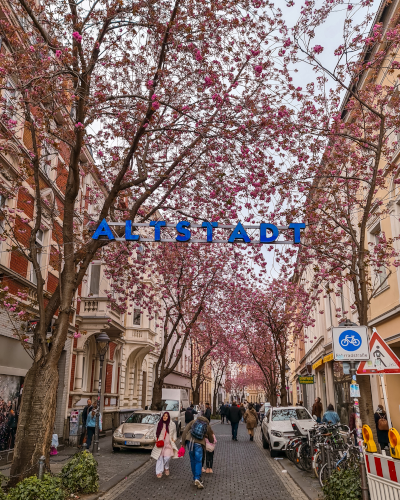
pixel 211 446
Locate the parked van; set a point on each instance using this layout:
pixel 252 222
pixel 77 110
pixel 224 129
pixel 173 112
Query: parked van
pixel 175 401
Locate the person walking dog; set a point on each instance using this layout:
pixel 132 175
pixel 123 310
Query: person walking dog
pixel 194 437
pixel 251 419
pixel 165 447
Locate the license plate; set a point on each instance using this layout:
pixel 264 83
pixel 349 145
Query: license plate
pixel 132 443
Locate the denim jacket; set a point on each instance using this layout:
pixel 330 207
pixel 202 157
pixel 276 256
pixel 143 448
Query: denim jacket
pixel 91 421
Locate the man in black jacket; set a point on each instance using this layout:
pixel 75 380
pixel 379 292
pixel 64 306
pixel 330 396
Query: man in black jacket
pixel 207 413
pixel 234 415
pixel 85 413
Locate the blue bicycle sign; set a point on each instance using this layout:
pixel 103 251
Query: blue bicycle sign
pixel 350 340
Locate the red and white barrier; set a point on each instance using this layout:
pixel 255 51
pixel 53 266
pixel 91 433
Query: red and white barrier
pixel 383 474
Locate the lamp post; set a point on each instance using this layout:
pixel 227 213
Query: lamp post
pixel 287 370
pixel 102 341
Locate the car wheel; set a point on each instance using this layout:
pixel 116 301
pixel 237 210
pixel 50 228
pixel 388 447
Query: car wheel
pixel 264 441
pixel 116 450
pixel 272 452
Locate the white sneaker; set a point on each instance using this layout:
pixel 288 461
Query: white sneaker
pixel 199 484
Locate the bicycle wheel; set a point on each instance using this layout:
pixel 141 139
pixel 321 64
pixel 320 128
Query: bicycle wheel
pixel 323 475
pixel 317 461
pixel 297 457
pixel 305 458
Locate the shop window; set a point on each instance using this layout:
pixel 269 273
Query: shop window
pixel 341 385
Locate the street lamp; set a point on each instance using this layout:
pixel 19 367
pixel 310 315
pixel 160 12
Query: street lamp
pixel 102 341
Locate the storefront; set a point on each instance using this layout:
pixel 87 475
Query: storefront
pixel 341 386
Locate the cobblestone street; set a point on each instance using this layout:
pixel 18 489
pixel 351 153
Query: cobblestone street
pixel 241 470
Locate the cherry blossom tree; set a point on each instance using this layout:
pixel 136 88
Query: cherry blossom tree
pixel 272 319
pixel 172 99
pixel 345 132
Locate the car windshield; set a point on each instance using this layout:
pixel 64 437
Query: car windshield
pixel 298 414
pixel 169 405
pixel 143 418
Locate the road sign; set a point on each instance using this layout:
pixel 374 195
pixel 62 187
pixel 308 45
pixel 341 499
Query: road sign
pixel 309 379
pixel 350 343
pixel 382 359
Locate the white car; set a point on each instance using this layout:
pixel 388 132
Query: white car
pixel 276 428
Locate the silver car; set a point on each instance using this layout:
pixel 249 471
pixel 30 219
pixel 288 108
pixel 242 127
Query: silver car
pixel 276 428
pixel 138 431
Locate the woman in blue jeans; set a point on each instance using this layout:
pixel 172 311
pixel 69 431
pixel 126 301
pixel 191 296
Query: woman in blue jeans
pixel 91 424
pixel 197 446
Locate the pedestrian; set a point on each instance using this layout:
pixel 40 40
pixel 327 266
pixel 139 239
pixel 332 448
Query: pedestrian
pixel 91 424
pixel 85 412
pixel 330 416
pixel 242 411
pixel 210 447
pixel 382 427
pixel 257 407
pixel 12 427
pixel 317 409
pixel 207 413
pixel 222 412
pixel 165 447
pixel 354 417
pixel 251 419
pixel 234 415
pixel 189 414
pixel 194 436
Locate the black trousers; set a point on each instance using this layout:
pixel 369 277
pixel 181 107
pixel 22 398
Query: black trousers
pixel 90 434
pixel 209 459
pixel 222 418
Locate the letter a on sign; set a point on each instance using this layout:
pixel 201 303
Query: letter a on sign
pixel 382 359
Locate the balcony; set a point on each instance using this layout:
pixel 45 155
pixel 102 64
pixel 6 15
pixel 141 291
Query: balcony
pixel 96 312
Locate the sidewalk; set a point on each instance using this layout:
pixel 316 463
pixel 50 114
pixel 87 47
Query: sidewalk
pixel 113 467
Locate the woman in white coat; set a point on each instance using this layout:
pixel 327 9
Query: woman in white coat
pixel 166 440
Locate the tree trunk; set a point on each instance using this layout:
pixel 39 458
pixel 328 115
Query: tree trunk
pixel 157 393
pixel 196 396
pixel 36 423
pixel 214 403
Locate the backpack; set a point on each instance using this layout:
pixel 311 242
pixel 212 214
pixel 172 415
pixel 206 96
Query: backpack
pixel 199 429
pixel 189 416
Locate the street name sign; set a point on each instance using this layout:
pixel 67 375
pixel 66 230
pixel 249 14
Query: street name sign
pixel 350 343
pixel 382 358
pixel 309 379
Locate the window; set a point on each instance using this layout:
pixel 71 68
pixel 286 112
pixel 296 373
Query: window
pixel 94 282
pixel 169 405
pixel 298 414
pixel 380 271
pixel 46 161
pixel 9 97
pixel 143 418
pixel 136 317
pixel 2 220
pixel 39 246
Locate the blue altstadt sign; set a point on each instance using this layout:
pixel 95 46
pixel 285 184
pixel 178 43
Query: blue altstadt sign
pixel 238 232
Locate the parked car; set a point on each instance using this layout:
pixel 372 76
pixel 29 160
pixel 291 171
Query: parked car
pixel 138 431
pixel 276 428
pixel 263 410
